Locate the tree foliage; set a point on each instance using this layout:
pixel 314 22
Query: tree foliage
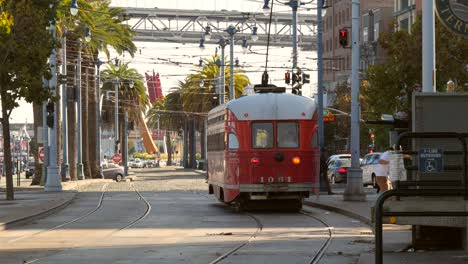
pixel 392 83
pixel 25 45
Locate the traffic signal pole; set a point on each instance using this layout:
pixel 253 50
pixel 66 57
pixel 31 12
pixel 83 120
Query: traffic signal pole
pixel 53 183
pixel 354 190
pixel 320 75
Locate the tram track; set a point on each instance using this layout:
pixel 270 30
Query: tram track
pixel 99 206
pixel 314 260
pixel 323 249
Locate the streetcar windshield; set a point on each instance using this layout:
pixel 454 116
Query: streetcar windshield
pixel 288 135
pixel 262 135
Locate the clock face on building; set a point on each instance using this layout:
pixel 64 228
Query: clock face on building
pixel 454 15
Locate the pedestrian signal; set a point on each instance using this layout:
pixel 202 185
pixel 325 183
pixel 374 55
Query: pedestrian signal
pixel 343 37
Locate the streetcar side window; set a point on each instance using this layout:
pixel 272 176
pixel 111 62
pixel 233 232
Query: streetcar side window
pixel 288 135
pixel 262 135
pixel 233 142
pixel 215 142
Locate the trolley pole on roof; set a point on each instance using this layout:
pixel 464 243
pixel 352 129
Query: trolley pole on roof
pixel 354 191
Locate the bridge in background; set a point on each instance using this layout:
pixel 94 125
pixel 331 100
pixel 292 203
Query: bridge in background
pixel 188 26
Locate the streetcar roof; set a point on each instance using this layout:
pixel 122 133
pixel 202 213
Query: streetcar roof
pixel 271 106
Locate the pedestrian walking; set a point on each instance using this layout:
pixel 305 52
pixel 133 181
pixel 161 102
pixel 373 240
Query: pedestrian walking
pixel 383 171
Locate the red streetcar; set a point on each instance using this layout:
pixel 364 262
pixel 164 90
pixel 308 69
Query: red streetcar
pixel 263 147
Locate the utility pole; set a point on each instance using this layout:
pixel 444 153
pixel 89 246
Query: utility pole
pixel 428 43
pixel 231 30
pixel 53 183
pixel 45 138
pixel 320 85
pixel 125 146
pixel 221 77
pixel 65 173
pixel 223 71
pixel 294 4
pixel 80 174
pixel 354 191
pixel 116 115
pixel 99 130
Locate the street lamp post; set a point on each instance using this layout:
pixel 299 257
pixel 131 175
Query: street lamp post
pixel 116 115
pixel 222 80
pixel 231 30
pixel 99 130
pixel 354 191
pixel 320 80
pixel 65 172
pixel 80 173
pixel 53 183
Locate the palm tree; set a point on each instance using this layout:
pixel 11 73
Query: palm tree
pixel 199 93
pixel 132 100
pixel 107 31
pixel 170 114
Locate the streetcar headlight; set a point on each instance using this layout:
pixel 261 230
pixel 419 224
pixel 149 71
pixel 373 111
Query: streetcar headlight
pixel 296 160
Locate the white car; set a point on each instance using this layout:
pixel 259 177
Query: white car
pixel 369 165
pixel 137 163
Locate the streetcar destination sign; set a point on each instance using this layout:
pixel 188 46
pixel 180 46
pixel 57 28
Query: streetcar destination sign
pixel 454 15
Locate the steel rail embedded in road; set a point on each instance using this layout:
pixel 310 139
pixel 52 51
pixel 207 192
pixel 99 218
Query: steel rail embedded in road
pixel 316 259
pixel 230 252
pixel 148 210
pixel 145 214
pixel 98 206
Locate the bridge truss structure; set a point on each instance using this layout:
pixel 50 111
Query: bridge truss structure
pixel 188 26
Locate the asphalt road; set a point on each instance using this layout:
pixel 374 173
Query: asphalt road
pixel 166 216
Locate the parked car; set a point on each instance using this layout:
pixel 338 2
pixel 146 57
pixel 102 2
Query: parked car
pixel 114 172
pixel 30 170
pixel 369 165
pixel 130 162
pixel 137 163
pixel 338 169
pixel 338 156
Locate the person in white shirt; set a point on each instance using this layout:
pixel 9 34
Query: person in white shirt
pixel 383 171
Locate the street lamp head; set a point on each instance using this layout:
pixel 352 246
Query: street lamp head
pixel 266 8
pixel 254 34
pixel 207 35
pixel 131 84
pixel 245 45
pixel 87 34
pixel 74 7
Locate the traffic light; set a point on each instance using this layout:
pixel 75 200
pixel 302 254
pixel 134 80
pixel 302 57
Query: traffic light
pixel 50 107
pixel 287 78
pixel 294 78
pixel 305 78
pixel 297 90
pixel 343 37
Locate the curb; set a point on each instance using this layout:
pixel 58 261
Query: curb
pixel 29 218
pixel 338 210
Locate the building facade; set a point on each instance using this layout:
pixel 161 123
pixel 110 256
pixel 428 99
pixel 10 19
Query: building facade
pixel 405 12
pixel 337 60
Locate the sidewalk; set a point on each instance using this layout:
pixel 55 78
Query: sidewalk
pixel 397 238
pixel 31 202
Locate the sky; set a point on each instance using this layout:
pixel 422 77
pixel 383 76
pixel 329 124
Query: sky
pixel 150 56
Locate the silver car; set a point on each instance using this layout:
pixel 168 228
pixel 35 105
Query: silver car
pixel 369 165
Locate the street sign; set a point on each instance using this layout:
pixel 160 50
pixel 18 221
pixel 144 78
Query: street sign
pixel 430 160
pixel 41 154
pixel 117 158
